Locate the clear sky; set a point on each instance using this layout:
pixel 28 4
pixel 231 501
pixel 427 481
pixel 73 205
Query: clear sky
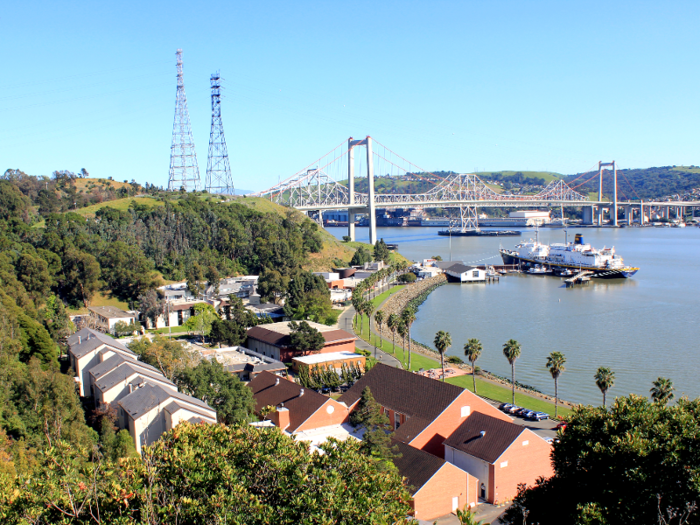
pixel 459 85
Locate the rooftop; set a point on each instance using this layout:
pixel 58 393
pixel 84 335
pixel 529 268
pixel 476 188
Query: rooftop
pixel 417 466
pixel 418 397
pixel 86 340
pixel 484 437
pixel 110 312
pixel 459 268
pixel 277 334
pixel 125 370
pixel 150 396
pixel 276 391
pixel 324 358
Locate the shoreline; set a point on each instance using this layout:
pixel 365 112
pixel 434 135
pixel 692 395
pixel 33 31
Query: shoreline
pixel 398 301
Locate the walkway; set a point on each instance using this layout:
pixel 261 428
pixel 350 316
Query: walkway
pixel 345 323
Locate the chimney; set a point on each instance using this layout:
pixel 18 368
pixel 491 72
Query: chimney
pixel 277 381
pixel 131 388
pixel 301 392
pixel 482 433
pixel 282 418
pixel 80 339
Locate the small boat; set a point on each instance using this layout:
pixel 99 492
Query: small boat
pixel 538 269
pixel 567 272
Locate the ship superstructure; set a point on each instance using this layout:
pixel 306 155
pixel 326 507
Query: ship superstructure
pixel 604 263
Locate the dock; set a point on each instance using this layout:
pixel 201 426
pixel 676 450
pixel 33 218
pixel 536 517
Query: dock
pixel 583 277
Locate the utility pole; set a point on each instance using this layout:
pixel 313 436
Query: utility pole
pixel 219 178
pixel 184 170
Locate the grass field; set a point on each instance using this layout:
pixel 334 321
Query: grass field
pixel 118 204
pixel 100 299
pixel 483 387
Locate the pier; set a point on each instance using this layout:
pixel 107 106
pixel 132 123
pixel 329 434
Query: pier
pixel 583 277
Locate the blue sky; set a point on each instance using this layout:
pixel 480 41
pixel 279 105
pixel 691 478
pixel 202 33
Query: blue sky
pixel 467 85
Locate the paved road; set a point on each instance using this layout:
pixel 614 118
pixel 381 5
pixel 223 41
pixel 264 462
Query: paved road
pixel 345 323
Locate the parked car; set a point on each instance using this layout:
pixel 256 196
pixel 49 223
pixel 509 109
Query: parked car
pixel 561 426
pixel 521 412
pixel 505 407
pixel 538 416
pixel 513 409
pixel 528 414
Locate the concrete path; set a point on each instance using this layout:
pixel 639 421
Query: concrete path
pixel 345 323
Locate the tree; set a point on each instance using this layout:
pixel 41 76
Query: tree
pixel 127 272
pixel 473 350
pixel 407 278
pixel 626 464
pixel 393 324
pixel 604 380
pixel 305 337
pixel 80 278
pixel 512 351
pixel 361 256
pixel 168 356
pixel 151 306
pixel 379 320
pixel 555 365
pixel 376 440
pixel 230 333
pixel 381 251
pixel 202 320
pixel 402 329
pixel 662 391
pixel 408 316
pixel 443 340
pixel 121 328
pixel 272 285
pixel 221 390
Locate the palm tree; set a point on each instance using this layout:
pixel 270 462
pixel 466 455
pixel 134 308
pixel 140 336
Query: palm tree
pixel 512 351
pixel 368 308
pixel 473 350
pixel 393 323
pixel 378 320
pixel 604 379
pixel 555 364
pixel 662 391
pixel 408 316
pixel 443 340
pixel 401 328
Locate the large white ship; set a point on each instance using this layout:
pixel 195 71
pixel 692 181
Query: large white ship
pixel 560 257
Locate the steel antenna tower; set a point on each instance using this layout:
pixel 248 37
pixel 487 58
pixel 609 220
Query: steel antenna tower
pixel 184 170
pixel 219 178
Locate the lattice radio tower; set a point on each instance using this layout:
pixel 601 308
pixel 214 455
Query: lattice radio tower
pixel 219 178
pixel 184 170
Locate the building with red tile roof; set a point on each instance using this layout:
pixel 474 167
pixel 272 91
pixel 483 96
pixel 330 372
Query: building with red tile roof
pixel 273 340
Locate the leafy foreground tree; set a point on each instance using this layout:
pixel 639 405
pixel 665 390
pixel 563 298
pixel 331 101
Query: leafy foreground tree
pixel 637 462
pixel 555 365
pixel 376 441
pixel 212 474
pixel 473 350
pixel 604 380
pixel 223 391
pixel 305 337
pixel 512 351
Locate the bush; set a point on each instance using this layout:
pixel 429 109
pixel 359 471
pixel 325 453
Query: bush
pixel 407 278
pixel 346 238
pixel 455 360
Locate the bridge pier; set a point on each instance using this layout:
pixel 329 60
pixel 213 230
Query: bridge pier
pixel 587 214
pixel 351 189
pixel 371 205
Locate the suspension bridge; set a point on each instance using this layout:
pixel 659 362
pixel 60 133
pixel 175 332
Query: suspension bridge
pixel 329 184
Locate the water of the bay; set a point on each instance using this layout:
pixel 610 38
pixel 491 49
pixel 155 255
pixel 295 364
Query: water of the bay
pixel 642 328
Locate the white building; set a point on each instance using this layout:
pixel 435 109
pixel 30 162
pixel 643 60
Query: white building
pixel 108 316
pixel 465 274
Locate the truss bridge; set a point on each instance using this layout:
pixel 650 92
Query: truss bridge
pixel 329 184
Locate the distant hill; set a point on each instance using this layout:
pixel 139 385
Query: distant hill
pixel 646 184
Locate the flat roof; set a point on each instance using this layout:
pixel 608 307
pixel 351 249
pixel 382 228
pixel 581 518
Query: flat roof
pixel 324 358
pixel 110 312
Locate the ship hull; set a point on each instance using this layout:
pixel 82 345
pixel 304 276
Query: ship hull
pixel 598 273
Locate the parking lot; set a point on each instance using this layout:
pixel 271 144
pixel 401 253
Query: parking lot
pixel 544 428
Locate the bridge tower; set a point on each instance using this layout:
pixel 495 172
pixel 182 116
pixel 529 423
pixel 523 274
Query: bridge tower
pixel 371 205
pixel 184 170
pixel 219 178
pixel 613 213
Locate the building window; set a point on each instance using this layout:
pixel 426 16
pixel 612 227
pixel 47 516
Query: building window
pixel 476 273
pixel 465 411
pixel 504 464
pixel 397 420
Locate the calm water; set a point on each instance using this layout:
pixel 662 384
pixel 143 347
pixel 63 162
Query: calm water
pixel 642 328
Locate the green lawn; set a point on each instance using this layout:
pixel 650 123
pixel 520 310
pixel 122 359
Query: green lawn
pixel 172 329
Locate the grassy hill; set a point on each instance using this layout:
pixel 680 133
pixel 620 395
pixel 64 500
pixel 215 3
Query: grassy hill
pixel 548 176
pixel 119 204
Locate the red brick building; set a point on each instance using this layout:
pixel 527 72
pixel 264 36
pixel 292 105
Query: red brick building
pixel 436 486
pixel 297 409
pixel 500 454
pixel 273 340
pixel 424 412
